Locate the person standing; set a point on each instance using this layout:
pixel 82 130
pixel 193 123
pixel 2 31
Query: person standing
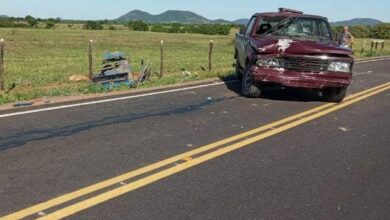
pixel 346 38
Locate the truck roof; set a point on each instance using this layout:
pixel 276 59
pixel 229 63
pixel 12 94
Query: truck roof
pixel 289 14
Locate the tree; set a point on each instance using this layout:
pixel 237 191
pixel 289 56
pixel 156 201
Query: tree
pixel 158 28
pixel 381 31
pixel 50 23
pixel 175 28
pixel 93 25
pixel 31 21
pixel 138 25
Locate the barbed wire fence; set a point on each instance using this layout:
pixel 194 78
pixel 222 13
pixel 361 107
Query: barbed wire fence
pixel 12 54
pixel 87 59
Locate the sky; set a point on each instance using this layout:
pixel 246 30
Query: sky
pixel 335 10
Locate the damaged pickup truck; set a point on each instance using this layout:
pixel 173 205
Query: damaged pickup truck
pixel 292 49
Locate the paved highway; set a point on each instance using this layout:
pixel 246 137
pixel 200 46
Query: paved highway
pixel 202 153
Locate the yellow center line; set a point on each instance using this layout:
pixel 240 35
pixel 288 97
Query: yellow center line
pixel 104 184
pixel 88 203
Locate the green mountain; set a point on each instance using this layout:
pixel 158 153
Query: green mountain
pixel 243 21
pixel 170 16
pixel 136 15
pixel 357 22
pixel 4 16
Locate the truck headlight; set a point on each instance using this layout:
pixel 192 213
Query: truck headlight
pixel 340 67
pixel 268 62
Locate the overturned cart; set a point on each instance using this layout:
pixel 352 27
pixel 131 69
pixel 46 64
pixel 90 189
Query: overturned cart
pixel 117 71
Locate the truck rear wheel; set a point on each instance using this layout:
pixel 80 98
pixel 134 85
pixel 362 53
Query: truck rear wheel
pixel 335 94
pixel 249 89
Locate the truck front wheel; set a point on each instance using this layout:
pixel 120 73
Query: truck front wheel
pixel 238 70
pixel 249 89
pixel 335 94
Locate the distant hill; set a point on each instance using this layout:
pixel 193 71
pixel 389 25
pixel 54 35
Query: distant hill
pixel 136 15
pixel 357 21
pixel 4 16
pixel 170 16
pixel 243 21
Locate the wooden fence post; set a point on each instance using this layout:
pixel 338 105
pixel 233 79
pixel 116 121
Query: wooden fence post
pixel 376 47
pixel 2 87
pixel 90 60
pixel 372 46
pixel 211 55
pixel 364 45
pixel 161 58
pixel 383 46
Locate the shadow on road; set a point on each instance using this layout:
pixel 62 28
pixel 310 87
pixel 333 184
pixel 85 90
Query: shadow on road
pixel 279 93
pixel 23 137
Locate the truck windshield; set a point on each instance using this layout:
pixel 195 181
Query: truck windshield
pixel 266 23
pixel 302 28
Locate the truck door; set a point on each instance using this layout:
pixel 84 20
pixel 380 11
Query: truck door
pixel 245 42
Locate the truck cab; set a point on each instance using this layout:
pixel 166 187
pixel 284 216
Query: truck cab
pixel 291 49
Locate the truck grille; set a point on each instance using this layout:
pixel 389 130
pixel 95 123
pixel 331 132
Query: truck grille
pixel 305 64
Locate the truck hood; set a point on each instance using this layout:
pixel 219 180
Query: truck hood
pixel 293 46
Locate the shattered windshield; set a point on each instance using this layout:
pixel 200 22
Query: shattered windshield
pixel 266 23
pixel 302 28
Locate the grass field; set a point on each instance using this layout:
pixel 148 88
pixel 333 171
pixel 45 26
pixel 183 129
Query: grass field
pixel 40 61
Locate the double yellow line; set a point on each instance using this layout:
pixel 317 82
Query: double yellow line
pixel 181 162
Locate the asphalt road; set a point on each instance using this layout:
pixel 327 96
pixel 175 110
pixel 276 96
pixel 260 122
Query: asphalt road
pixel 335 166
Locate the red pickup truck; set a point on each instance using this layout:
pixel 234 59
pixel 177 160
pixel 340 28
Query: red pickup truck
pixel 292 49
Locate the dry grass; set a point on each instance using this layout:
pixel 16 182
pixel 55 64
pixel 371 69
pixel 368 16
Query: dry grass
pixel 40 61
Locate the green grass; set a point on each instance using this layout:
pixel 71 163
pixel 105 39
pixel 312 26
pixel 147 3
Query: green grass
pixel 40 61
pixel 358 44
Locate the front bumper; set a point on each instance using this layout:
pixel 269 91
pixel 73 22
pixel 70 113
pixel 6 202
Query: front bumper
pixel 292 78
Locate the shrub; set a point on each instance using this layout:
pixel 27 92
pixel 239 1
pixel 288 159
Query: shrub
pixel 381 31
pixel 138 26
pixel 93 25
pixel 31 21
pixel 50 23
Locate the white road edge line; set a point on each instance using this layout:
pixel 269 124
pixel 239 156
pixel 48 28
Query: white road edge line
pixel 114 99
pixel 137 96
pixel 373 60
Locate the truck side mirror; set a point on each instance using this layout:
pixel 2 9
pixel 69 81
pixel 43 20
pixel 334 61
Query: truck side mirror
pixel 243 29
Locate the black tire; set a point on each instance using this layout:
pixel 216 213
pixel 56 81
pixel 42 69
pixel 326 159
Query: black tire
pixel 335 94
pixel 249 89
pixel 238 71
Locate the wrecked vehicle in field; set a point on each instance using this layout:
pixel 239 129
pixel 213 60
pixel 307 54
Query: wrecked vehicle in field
pixel 292 49
pixel 117 71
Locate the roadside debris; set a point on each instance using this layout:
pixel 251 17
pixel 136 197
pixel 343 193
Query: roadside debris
pixel 78 78
pixel 116 72
pixel 23 104
pixel 41 213
pixel 344 129
pixel 187 75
